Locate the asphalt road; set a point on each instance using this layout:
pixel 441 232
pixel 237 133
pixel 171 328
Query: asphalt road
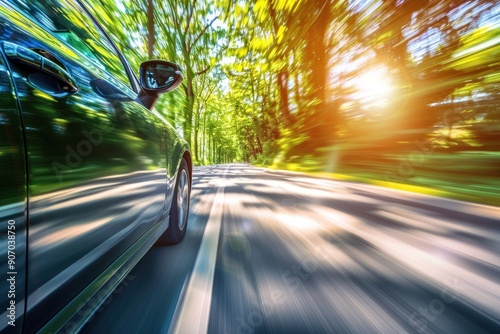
pixel 275 252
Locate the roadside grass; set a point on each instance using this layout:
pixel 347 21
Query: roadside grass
pixel 466 176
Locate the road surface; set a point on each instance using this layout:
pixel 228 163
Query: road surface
pixel 278 252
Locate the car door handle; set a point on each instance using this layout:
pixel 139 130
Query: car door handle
pixel 26 57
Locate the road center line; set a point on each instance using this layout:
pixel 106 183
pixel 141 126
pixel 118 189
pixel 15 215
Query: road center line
pixel 194 311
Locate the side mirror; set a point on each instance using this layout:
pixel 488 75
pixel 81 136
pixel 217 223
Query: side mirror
pixel 159 76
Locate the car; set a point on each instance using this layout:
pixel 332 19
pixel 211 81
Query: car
pixel 92 174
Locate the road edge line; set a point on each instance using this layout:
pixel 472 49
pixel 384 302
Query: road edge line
pixel 194 309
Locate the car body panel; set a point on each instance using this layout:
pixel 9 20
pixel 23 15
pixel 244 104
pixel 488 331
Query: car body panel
pixel 101 166
pixel 91 299
pixel 13 202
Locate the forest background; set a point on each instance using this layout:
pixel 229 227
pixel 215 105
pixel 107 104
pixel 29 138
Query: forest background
pixel 398 93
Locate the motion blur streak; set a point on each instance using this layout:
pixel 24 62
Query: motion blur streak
pixel 196 303
pixel 307 255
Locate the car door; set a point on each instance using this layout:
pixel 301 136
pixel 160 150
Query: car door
pixel 13 205
pixel 96 157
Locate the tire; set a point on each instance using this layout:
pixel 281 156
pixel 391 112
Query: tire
pixel 179 210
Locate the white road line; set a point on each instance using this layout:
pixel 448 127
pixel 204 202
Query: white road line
pixel 194 309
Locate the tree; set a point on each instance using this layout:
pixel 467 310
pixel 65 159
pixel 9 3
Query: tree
pixel 190 38
pixel 417 39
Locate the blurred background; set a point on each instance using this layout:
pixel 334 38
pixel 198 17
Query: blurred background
pixel 394 92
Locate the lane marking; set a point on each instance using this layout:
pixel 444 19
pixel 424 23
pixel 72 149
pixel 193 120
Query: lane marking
pixel 194 309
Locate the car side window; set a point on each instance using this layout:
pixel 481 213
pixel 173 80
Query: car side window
pixel 69 23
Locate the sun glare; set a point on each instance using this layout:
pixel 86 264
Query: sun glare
pixel 373 88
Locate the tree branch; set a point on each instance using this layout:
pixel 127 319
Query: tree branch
pixel 202 32
pixel 189 17
pixel 202 71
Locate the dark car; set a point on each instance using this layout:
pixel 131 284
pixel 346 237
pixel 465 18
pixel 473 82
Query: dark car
pixel 92 175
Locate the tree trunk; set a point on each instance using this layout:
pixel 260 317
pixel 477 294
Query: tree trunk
pixel 188 110
pixel 282 74
pixel 213 149
pixel 151 29
pixel 209 149
pixel 203 147
pixel 321 123
pixel 195 144
pixel 283 87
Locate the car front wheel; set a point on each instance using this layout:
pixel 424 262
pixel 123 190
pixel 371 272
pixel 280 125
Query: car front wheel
pixel 180 208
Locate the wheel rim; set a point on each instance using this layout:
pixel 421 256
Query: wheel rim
pixel 183 199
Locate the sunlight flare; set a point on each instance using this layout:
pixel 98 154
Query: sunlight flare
pixel 374 88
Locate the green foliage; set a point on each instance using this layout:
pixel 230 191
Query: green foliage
pixel 326 85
